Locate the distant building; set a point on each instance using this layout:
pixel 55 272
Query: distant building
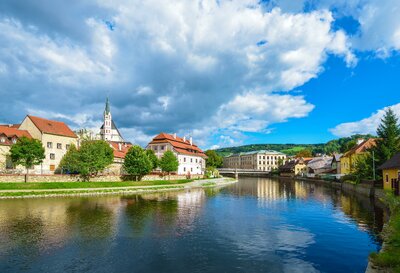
pixel 349 159
pixel 335 164
pixel 192 160
pixel 9 134
pixel 295 167
pixel 108 131
pixel 56 138
pixel 391 174
pixel 263 160
pixel 319 165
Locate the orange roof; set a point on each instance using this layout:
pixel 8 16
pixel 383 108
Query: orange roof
pixel 180 145
pixel 362 147
pixel 52 127
pixel 124 148
pixel 10 132
pixel 10 125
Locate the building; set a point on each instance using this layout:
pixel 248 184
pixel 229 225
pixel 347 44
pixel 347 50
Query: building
pixel 263 160
pixel 319 165
pixel 349 159
pixel 296 167
pixel 9 134
pixel 109 131
pixel 192 160
pixel 56 138
pixel 391 173
pixel 335 164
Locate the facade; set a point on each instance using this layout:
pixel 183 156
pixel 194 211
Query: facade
pixel 263 160
pixel 9 134
pixel 296 167
pixel 108 131
pixel 349 159
pixel 56 138
pixel 191 158
pixel 391 173
pixel 335 165
pixel 319 165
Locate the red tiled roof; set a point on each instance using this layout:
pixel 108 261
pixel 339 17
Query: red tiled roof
pixel 10 125
pixel 10 132
pixel 362 147
pixel 52 127
pixel 179 144
pixel 124 149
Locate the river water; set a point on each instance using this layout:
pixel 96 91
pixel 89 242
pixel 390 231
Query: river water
pixel 255 225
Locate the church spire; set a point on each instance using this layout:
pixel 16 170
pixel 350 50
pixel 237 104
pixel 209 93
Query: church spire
pixel 107 110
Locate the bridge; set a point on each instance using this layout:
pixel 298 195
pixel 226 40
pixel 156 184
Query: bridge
pixel 242 172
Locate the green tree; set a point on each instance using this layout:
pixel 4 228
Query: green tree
pixel 153 158
pixel 27 152
pixel 137 163
pixel 70 161
pixel 94 156
pixel 169 163
pixel 388 142
pixel 213 159
pixel 304 153
pixel 363 168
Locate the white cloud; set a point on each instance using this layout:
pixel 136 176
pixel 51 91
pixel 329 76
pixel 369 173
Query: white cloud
pixel 364 126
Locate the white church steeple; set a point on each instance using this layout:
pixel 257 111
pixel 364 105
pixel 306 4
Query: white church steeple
pixel 109 131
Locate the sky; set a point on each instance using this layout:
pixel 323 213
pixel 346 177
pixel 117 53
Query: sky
pixel 225 72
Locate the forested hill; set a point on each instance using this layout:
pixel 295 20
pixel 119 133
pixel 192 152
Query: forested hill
pixel 334 146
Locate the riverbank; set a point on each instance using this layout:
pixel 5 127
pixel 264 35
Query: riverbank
pixel 34 190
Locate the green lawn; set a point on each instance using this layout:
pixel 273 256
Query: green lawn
pixel 81 185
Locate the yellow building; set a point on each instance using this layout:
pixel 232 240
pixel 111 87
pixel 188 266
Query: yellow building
pixel 349 159
pixel 391 173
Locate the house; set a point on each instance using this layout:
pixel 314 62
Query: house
pixel 192 160
pixel 319 165
pixel 120 149
pixel 262 160
pixel 56 138
pixel 295 167
pixel 391 173
pixel 9 134
pixel 349 159
pixel 335 164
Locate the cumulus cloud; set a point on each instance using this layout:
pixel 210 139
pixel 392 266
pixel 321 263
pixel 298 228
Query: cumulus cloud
pixel 198 67
pixel 364 126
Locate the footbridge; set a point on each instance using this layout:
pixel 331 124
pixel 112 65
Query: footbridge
pixel 242 172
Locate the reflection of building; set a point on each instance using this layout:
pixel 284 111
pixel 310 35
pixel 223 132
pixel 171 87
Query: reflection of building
pixel 263 160
pixel 192 159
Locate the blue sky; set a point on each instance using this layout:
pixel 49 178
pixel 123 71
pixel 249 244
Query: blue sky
pixel 225 72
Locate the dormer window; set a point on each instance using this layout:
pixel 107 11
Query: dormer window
pixel 14 140
pixel 2 139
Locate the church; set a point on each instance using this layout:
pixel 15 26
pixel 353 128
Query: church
pixel 108 131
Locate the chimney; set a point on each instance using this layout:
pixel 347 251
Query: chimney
pixel 120 146
pixel 359 141
pixel 191 141
pixel 10 125
pixel 184 139
pixel 174 135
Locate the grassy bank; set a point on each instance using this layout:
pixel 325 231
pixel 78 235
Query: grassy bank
pixel 86 185
pixel 389 256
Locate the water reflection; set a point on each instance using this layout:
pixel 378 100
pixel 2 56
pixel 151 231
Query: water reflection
pixel 256 225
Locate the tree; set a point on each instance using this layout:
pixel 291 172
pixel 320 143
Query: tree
pixel 169 162
pixel 363 168
pixel 27 152
pixel 137 162
pixel 94 156
pixel 304 153
pixel 153 158
pixel 70 161
pixel 213 160
pixel 388 142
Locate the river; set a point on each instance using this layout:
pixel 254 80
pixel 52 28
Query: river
pixel 255 225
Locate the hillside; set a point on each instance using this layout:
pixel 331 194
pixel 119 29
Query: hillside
pixel 334 146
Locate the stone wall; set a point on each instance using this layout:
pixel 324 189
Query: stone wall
pixel 75 178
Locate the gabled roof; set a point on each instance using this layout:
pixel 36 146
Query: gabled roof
pixel 362 147
pixel 393 163
pixel 10 132
pixel 179 144
pixel 52 127
pixel 120 153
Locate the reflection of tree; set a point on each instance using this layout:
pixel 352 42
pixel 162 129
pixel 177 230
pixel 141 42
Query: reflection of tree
pixel 142 213
pixel 92 220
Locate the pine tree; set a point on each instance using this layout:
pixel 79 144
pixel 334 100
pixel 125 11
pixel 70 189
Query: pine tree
pixel 388 142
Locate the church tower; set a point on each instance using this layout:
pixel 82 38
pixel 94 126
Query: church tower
pixel 109 131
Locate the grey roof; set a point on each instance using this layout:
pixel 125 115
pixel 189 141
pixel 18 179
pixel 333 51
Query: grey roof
pixel 107 110
pixel 393 163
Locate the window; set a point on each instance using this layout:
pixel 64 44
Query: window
pixel 52 167
pixel 59 146
pixel 191 169
pixel 14 140
pixel 155 148
pixel 162 147
pixel 3 139
pixel 184 159
pixel 387 178
pixel 191 160
pixel 196 160
pixel 67 146
pixel 184 169
pixel 52 156
pixel 50 145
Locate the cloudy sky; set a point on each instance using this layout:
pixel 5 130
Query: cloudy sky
pixel 226 72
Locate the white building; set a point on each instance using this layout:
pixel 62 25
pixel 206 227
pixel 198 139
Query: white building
pixel 192 159
pixel 263 160
pixel 108 131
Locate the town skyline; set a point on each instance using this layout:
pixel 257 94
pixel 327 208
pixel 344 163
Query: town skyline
pixel 330 72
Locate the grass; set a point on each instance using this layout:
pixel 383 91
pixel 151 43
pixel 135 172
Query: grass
pixel 208 184
pixel 389 257
pixel 83 185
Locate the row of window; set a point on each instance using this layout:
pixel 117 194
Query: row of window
pixel 162 147
pixel 59 145
pixel 191 160
pixel 3 139
pixel 191 169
